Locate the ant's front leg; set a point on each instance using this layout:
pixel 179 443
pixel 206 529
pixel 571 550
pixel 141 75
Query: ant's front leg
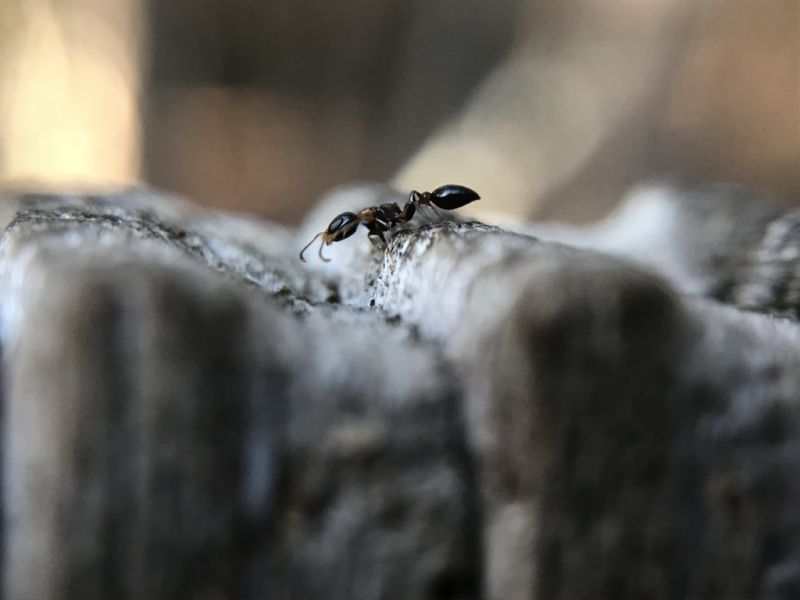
pixel 377 239
pixel 375 235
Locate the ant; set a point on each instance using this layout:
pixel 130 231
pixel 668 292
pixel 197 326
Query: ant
pixel 379 219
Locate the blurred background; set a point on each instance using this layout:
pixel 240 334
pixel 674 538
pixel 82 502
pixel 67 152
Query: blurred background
pixel 550 109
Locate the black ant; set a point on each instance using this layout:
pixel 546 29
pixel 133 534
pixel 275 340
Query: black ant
pixel 379 219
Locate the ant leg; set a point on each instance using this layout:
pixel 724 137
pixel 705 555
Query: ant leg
pixel 408 211
pixel 308 244
pixel 425 210
pixel 377 239
pixel 438 214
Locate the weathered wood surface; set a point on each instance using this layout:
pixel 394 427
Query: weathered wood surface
pixel 190 411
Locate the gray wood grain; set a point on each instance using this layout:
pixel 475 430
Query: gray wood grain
pixel 190 411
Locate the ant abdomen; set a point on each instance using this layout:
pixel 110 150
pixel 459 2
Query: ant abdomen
pixel 450 197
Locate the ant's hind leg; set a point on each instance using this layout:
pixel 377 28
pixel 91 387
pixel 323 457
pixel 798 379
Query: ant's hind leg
pixel 425 210
pixel 438 214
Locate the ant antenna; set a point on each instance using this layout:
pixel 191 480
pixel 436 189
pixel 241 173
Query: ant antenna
pixel 321 246
pixel 308 244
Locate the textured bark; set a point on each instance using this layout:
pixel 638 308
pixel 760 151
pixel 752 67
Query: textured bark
pixel 191 411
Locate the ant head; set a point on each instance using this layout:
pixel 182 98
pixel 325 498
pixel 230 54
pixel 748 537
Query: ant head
pixel 343 226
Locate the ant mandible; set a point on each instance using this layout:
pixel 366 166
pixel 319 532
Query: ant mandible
pixel 379 219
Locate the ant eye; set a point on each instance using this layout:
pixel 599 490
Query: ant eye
pixel 340 221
